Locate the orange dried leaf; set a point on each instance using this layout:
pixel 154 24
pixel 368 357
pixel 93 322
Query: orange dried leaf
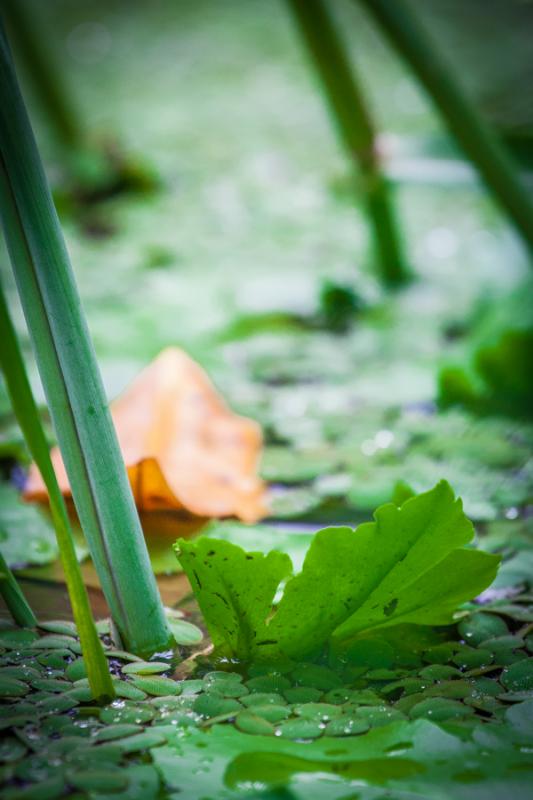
pixel 183 448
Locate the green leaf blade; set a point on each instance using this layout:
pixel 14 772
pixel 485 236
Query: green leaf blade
pixel 71 378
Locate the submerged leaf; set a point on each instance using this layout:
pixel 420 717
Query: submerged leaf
pixel 408 566
pixel 184 449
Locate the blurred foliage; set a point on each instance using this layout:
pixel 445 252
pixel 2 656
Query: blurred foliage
pixel 504 374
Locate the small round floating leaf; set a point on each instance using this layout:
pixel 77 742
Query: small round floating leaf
pixel 44 790
pixel 141 741
pixel 305 694
pixel 364 697
pixel 192 687
pixel 406 686
pixel 168 702
pixel 103 626
pixel 470 657
pixel 121 711
pixel 300 729
pixel 123 655
pixel 59 703
pixel 185 633
pixel 268 683
pixel 56 642
pixel 59 626
pixel 98 780
pixel 484 686
pixel 272 713
pixel 440 653
pixel 157 686
pixel 262 699
pixel 479 627
pixel 51 685
pixel 16 721
pixel 519 676
pixel 247 722
pixel 498 644
pixel 128 690
pixel 55 659
pixel 440 709
pixel 220 675
pixel 516 697
pixel 227 688
pixel 11 749
pixel 378 716
pixel 11 687
pixel 83 694
pixel 97 755
pixel 111 732
pixel 347 726
pixel 76 670
pixel 181 719
pixel 20 706
pixel 213 705
pixel 145 668
pixel 12 639
pixel 439 672
pixel 320 712
pixel 456 690
pixel 21 673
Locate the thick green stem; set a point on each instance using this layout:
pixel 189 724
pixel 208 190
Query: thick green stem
pixel 464 121
pixel 27 414
pixel 42 71
pixel 14 599
pixel 71 379
pixel 356 129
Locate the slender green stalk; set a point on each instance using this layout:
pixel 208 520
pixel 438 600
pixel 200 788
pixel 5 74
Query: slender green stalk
pixel 27 414
pixel 464 121
pixel 71 379
pixel 39 62
pixel 14 599
pixel 353 120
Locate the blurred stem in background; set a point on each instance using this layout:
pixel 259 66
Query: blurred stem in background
pixel 42 70
pixel 28 418
pixel 480 144
pixel 71 379
pixel 356 129
pixel 14 599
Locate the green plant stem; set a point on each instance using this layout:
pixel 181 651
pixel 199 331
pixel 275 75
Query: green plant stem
pixel 14 599
pixel 353 120
pixel 27 415
pixel 39 62
pixel 465 122
pixel 71 380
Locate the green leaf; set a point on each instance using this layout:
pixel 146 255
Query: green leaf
pixel 504 372
pixel 408 566
pixel 234 589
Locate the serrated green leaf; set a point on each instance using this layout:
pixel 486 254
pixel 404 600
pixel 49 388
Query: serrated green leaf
pixel 408 566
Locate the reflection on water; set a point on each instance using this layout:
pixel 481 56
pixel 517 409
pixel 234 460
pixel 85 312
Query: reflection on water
pixel 277 769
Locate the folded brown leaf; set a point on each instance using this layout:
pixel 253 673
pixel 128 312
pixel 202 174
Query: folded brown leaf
pixel 183 447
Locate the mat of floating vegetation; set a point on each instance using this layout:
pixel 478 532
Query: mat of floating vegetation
pixel 450 712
